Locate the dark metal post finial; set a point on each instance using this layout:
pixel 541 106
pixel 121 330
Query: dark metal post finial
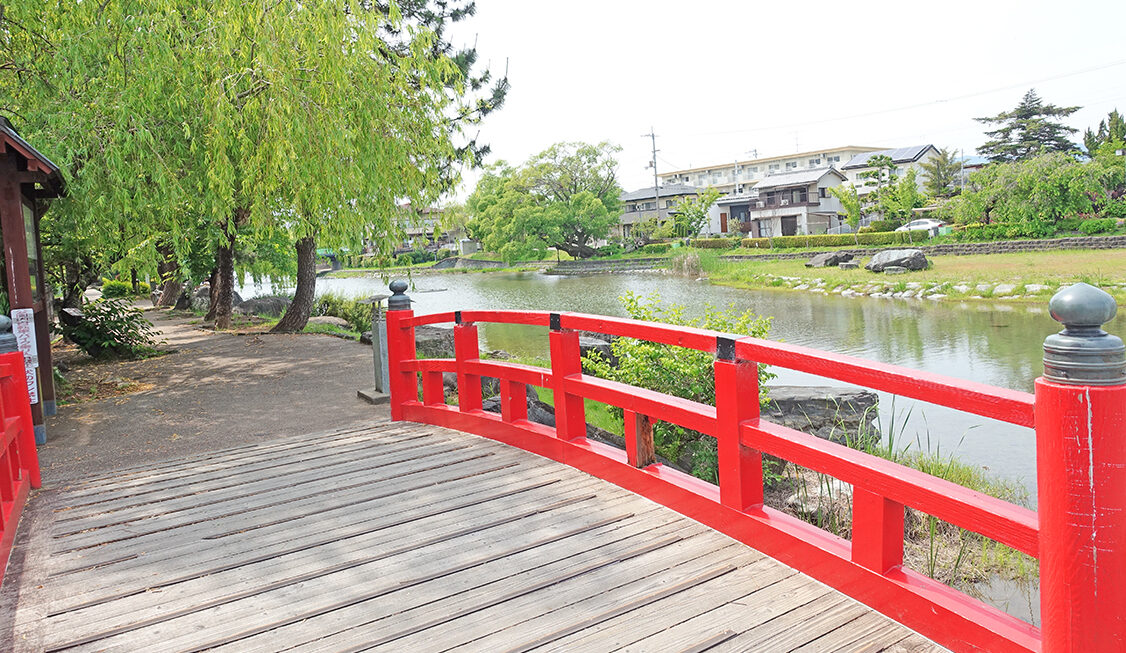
pixel 1084 354
pixel 398 300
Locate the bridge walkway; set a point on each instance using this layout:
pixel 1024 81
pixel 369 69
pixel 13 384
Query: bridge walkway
pixel 402 537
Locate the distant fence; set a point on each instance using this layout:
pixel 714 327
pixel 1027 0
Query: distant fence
pixel 19 461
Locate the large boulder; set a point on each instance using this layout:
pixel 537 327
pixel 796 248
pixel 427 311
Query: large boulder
pixel 271 305
pixel 201 299
pixel 828 259
pixel 842 415
pixel 330 319
pixel 591 345
pixel 434 341
pixel 912 259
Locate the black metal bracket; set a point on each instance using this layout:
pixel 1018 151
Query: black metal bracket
pixel 554 322
pixel 724 348
pixel 457 317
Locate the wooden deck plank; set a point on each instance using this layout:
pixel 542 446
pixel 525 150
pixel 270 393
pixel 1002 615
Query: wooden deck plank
pixel 339 629
pixel 289 604
pixel 441 503
pixel 407 537
pixel 198 481
pixel 342 468
pixel 751 596
pixel 213 521
pixel 313 564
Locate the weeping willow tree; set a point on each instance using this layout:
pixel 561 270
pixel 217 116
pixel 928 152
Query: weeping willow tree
pixel 183 126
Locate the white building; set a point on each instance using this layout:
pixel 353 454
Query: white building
pixel 738 177
pixel 904 158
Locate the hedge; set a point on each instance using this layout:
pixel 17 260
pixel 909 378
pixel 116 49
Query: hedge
pixel 656 248
pixel 1098 226
pixel 115 288
pixel 715 243
pixel 834 240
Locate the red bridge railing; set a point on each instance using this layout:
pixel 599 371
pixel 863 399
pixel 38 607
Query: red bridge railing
pixel 19 461
pixel 1079 538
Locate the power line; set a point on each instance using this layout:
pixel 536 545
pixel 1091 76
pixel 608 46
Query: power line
pixel 919 105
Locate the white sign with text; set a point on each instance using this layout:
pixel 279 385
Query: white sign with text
pixel 23 327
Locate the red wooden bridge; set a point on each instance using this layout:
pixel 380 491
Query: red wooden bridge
pixel 415 537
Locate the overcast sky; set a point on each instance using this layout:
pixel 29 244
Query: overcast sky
pixel 717 80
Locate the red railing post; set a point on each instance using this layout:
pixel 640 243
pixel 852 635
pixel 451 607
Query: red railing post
pixel 570 413
pixel 400 347
pixel 17 403
pixel 736 401
pixel 1081 477
pixel 466 348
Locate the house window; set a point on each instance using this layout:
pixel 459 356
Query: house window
pixel 668 204
pixel 774 166
pixel 790 165
pixel 823 192
pixel 814 163
pixel 754 169
pixel 833 159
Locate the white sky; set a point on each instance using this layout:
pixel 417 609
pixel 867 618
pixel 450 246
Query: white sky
pixel 716 79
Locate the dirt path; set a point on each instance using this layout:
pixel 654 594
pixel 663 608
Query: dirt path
pixel 215 391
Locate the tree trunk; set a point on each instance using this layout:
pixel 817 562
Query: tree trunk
pixel 225 278
pixel 212 291
pixel 297 314
pixel 133 280
pixel 169 271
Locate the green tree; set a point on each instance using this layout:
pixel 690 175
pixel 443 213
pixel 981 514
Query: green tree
pixel 236 121
pixel 850 203
pixel 1112 130
pixel 1030 129
pixel 564 197
pixel 690 214
pixel 943 172
pixel 1028 198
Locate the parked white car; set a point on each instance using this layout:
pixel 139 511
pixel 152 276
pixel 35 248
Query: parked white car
pixel 925 224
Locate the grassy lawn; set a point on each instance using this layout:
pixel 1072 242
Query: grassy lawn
pixel 954 276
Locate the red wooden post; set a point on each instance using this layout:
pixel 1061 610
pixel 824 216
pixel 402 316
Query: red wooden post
pixel 1081 477
pixel 400 347
pixel 433 392
pixel 736 401
pixel 466 348
pixel 513 400
pixel 640 451
pixel 877 531
pixel 570 413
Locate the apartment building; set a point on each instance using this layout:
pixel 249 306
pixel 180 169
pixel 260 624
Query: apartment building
pixel 739 177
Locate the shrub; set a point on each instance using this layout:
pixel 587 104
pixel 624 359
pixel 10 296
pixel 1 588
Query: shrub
pixel 886 225
pixel 1069 224
pixel 865 230
pixel 111 288
pixel 404 260
pixel 442 254
pixel 715 243
pixel 357 314
pixel 111 327
pixel 834 240
pixel 1098 226
pixel 677 371
pixel 613 249
pixel 656 248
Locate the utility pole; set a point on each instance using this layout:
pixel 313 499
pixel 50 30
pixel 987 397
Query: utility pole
pixel 962 156
pixel 656 189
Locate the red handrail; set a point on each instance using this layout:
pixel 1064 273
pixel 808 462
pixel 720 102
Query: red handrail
pixel 869 567
pixel 19 460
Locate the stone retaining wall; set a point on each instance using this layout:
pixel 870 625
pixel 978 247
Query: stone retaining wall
pixel 964 249
pixel 605 266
